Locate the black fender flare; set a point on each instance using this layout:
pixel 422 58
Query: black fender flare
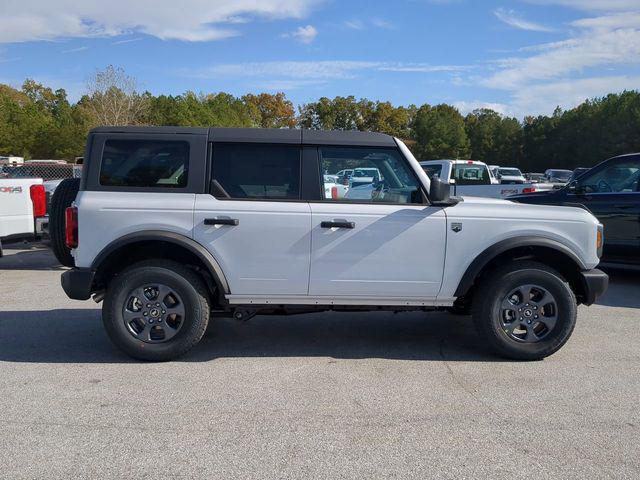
pixel 496 249
pixel 171 237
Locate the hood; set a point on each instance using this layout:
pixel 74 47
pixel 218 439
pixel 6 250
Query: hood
pixel 506 209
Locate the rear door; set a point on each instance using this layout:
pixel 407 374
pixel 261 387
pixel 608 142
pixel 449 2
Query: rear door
pixel 383 242
pixel 253 220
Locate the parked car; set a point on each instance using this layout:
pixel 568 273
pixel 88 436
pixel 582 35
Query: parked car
pixel 250 230
pixel 332 188
pixel 23 208
pixel 558 176
pixel 364 176
pixel 610 190
pixel 472 178
pixel 510 176
pixel 535 177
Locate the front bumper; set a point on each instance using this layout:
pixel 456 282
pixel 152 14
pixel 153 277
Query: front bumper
pixel 595 282
pixel 77 283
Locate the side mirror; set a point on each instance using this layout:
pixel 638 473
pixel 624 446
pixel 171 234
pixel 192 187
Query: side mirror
pixel 439 191
pixel 574 188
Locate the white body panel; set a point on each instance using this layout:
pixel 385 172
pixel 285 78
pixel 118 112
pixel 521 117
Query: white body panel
pixel 16 208
pixel 267 252
pixel 486 222
pixel 106 216
pixel 374 259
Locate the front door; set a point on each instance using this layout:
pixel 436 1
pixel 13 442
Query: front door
pixel 612 194
pixel 254 222
pixel 378 240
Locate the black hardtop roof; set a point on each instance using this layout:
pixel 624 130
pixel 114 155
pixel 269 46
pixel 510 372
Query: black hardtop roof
pixel 266 135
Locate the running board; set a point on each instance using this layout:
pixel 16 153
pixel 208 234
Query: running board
pixel 326 300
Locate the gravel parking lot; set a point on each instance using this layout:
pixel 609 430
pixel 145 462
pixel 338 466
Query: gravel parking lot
pixel 334 395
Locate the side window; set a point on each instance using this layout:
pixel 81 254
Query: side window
pixel 256 171
pixel 145 163
pixel 378 175
pixel 618 178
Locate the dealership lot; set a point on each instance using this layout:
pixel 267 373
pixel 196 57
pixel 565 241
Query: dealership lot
pixel 333 395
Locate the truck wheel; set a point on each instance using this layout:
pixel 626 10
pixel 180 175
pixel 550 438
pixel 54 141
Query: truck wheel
pixel 525 311
pixel 156 310
pixel 63 196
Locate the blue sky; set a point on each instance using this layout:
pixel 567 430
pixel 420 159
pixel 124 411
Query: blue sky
pixel 518 57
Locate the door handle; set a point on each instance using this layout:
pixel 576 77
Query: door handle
pixel 623 207
pixel 221 221
pixel 338 224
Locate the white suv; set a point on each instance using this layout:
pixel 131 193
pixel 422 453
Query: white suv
pixel 173 226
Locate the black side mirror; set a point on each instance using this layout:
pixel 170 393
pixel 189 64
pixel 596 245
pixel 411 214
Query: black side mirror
pixel 574 188
pixel 439 191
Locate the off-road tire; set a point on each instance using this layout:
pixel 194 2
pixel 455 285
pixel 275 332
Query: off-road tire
pixel 62 198
pixel 187 283
pixel 495 287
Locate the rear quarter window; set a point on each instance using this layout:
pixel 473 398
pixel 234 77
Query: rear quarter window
pixel 145 163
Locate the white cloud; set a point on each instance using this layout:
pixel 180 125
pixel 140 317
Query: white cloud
pixel 324 69
pixel 607 22
pixel 360 24
pixel 617 47
pixel 515 20
pixel 588 63
pixel 74 50
pixel 592 5
pixel 303 34
pixel 189 20
pixel 467 107
pixel 543 98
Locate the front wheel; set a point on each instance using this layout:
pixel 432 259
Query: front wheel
pixel 525 311
pixel 156 310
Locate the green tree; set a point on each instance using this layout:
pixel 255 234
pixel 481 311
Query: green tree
pixel 270 111
pixel 439 132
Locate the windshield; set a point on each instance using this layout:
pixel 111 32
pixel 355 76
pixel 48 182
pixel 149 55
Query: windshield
pixel 560 174
pixel 510 172
pixel 432 170
pixel 471 174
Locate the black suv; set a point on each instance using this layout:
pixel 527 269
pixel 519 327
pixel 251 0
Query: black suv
pixel 611 190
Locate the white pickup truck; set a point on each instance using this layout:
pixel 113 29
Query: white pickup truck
pixel 473 178
pixel 23 208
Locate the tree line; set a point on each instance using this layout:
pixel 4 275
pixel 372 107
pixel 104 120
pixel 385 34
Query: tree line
pixel 38 122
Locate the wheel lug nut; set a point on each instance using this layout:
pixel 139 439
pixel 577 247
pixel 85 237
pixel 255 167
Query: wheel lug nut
pixel 536 316
pixel 144 313
pixel 164 311
pixel 529 321
pixel 151 320
pixel 159 320
pixel 148 305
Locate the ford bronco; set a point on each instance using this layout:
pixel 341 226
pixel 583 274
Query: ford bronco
pixel 174 226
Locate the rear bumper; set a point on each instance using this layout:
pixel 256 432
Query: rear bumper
pixel 77 283
pixel 595 283
pixel 42 225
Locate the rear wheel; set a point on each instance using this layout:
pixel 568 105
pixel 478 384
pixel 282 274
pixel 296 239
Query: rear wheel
pixel 64 194
pixel 156 310
pixel 525 311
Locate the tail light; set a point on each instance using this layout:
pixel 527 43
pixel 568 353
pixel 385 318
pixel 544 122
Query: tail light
pixel 334 193
pixel 71 227
pixel 529 190
pixel 39 200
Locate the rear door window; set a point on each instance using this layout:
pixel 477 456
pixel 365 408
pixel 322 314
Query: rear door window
pixel 256 171
pixel 471 174
pixel 145 163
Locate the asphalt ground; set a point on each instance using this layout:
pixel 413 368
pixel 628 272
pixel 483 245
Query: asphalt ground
pixel 330 395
